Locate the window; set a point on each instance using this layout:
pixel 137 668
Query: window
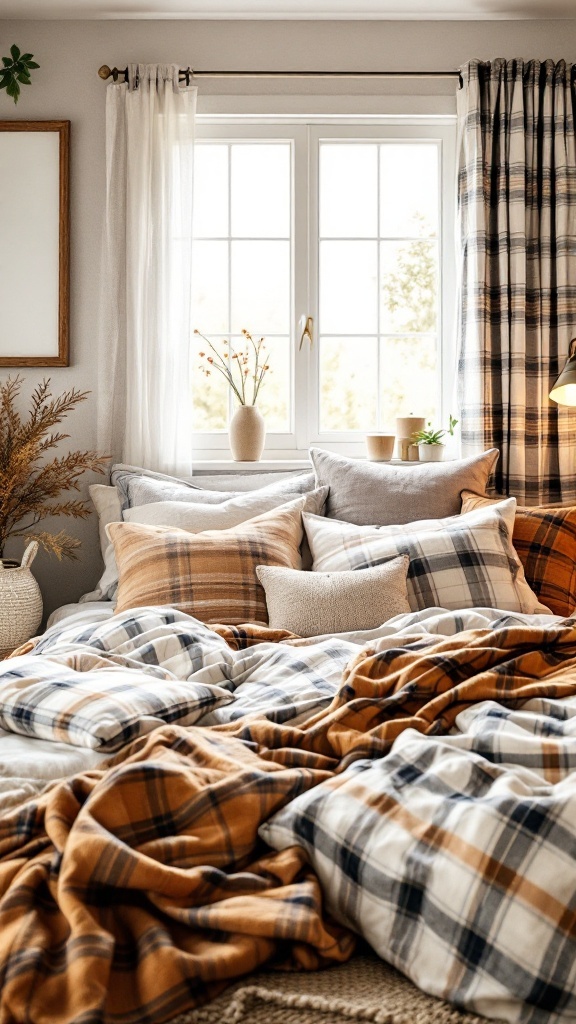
pixel 348 223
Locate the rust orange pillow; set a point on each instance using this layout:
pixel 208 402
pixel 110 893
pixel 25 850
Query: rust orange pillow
pixel 545 539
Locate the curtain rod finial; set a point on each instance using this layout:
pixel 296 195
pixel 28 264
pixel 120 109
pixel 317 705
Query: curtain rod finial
pixel 105 72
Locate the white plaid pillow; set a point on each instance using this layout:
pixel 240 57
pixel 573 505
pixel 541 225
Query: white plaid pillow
pixel 465 561
pixel 81 700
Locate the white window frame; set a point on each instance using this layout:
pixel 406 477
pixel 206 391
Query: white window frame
pixel 305 133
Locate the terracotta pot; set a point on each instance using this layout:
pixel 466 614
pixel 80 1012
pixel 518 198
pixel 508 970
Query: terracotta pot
pixel 431 452
pixel 20 601
pixel 247 434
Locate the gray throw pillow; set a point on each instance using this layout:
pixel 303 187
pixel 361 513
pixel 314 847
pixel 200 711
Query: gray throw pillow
pixel 315 603
pixel 370 494
pixel 142 487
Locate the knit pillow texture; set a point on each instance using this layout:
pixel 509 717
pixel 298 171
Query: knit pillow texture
pixel 315 603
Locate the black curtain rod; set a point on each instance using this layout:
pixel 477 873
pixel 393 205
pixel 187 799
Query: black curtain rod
pixel 186 74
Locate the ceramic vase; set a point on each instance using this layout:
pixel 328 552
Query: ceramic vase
pixel 20 601
pixel 247 434
pixel 431 452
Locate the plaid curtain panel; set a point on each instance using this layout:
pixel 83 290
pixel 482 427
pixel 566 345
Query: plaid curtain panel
pixel 517 204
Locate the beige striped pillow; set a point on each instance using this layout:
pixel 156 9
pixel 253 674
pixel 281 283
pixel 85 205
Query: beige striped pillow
pixel 210 575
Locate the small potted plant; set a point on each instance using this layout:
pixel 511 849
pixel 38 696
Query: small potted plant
pixel 430 443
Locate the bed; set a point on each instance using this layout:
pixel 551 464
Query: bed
pixel 187 803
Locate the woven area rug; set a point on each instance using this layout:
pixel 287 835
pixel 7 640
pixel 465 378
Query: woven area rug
pixel 364 989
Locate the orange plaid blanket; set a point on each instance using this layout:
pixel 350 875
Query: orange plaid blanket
pixel 131 893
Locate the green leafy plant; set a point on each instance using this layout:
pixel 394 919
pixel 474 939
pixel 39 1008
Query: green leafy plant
pixel 16 71
pixel 431 436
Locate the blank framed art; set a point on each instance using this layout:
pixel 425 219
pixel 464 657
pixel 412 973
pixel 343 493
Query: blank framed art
pixel 35 243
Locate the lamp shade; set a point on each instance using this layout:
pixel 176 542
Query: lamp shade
pixel 564 390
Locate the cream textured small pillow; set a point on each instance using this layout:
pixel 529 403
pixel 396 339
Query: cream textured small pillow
pixel 210 575
pixel 314 603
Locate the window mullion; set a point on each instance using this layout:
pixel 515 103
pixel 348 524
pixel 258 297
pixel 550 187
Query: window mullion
pixel 302 293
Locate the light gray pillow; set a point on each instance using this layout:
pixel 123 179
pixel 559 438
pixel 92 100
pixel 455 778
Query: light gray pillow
pixel 196 517
pixel 121 475
pixel 144 488
pixel 237 482
pixel 370 494
pixel 314 603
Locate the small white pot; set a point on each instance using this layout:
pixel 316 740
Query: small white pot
pixel 247 434
pixel 431 452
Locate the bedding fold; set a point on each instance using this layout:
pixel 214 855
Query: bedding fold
pixel 424 684
pixel 133 893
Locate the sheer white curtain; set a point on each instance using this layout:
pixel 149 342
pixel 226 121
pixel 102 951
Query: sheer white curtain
pixel 145 400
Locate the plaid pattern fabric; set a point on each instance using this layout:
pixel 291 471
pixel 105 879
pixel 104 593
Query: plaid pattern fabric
pixel 464 561
pixel 517 202
pixel 244 668
pixel 545 540
pixel 211 575
pixel 131 893
pixel 457 870
pixel 91 701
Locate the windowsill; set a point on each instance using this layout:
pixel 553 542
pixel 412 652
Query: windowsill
pixel 264 466
pixel 273 465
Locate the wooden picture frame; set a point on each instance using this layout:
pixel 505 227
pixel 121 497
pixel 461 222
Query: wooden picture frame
pixel 35 240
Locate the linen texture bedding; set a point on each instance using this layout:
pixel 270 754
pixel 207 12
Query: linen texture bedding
pixel 133 891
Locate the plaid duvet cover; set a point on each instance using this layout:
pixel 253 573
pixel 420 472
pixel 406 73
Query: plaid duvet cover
pixel 455 859
pixel 132 892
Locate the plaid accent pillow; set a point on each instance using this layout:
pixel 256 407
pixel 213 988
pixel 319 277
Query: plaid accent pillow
pixel 545 539
pixel 210 575
pixel 82 699
pixel 465 561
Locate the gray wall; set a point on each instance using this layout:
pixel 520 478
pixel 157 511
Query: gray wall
pixel 67 86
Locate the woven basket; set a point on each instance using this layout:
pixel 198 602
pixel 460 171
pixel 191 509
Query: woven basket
pixel 20 601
